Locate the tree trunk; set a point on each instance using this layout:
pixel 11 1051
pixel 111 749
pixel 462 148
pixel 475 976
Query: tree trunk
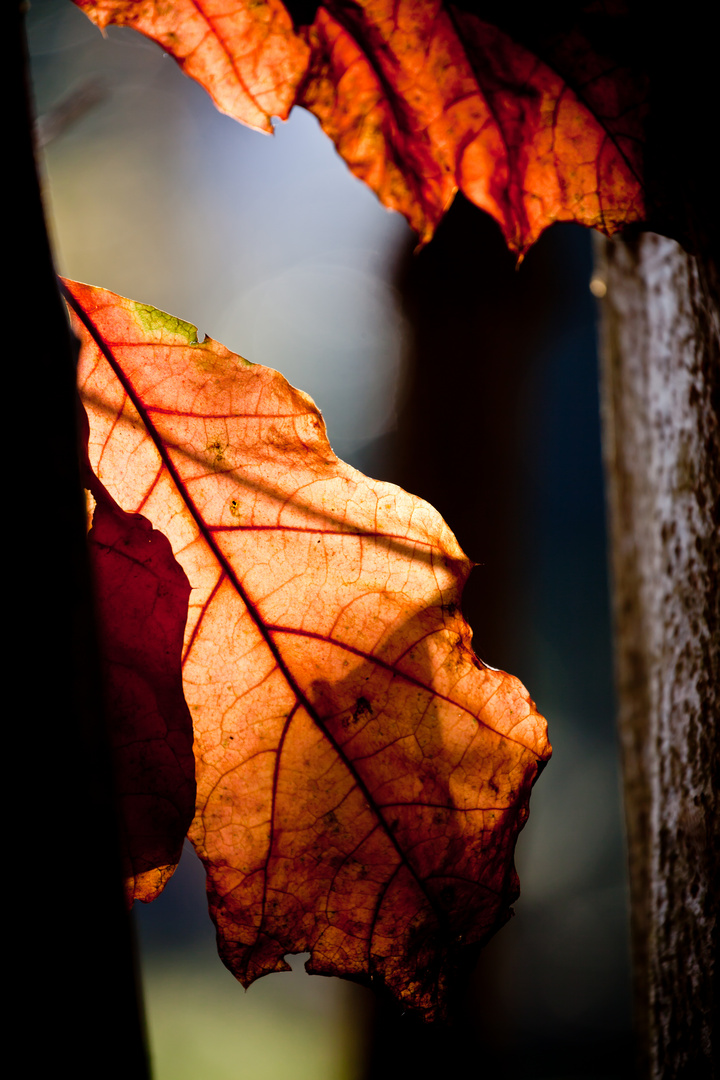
pixel 661 389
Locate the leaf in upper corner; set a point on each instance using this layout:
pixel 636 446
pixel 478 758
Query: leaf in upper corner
pixel 362 776
pixel 422 97
pixel 245 54
pixel 141 599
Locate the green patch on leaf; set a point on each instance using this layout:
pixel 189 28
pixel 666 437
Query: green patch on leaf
pixel 158 323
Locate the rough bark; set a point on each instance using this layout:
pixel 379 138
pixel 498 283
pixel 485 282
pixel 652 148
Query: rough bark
pixel 661 390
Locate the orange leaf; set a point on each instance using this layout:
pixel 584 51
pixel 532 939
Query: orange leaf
pixel 362 776
pixel 381 81
pixel 422 98
pixel 244 53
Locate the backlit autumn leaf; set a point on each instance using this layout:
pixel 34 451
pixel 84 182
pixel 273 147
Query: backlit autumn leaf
pixel 142 598
pixel 362 776
pixel 245 54
pixel 422 99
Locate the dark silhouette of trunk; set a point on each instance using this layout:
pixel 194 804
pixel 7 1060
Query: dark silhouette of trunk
pixel 473 323
pixel 500 375
pixel 77 978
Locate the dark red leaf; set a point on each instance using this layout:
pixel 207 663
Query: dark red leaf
pixel 142 603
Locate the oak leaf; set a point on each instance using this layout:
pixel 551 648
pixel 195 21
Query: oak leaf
pixel 422 98
pixel 361 775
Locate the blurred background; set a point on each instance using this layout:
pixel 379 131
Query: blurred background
pixel 450 371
